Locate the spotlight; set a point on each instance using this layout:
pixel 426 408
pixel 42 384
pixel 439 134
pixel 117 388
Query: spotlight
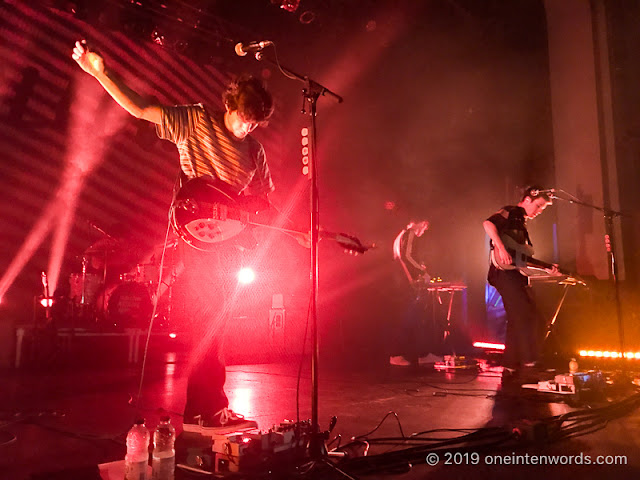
pixel 246 275
pixel 173 335
pixel 46 302
pixel 288 5
pixel 157 37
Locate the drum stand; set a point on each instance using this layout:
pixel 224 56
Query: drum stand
pixel 158 291
pixel 84 310
pixel 79 310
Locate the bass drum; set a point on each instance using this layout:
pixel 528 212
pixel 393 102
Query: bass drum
pixel 128 305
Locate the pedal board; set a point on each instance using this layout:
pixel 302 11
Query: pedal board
pixel 455 362
pixel 570 383
pixel 242 450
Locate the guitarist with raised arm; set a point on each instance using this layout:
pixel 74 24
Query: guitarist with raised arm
pixel 215 144
pixel 524 325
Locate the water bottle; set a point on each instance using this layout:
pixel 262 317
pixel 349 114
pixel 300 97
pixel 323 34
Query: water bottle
pixel 137 458
pixel 164 452
pixel 573 366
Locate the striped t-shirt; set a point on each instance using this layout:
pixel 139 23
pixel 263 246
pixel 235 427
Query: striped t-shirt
pixel 206 147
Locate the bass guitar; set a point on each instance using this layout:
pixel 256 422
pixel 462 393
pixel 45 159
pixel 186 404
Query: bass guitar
pixel 206 212
pixel 523 260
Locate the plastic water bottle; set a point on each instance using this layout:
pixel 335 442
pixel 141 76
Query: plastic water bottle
pixel 573 366
pixel 137 458
pixel 164 452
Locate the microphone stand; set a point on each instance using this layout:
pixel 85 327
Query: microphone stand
pixel 310 94
pixel 608 216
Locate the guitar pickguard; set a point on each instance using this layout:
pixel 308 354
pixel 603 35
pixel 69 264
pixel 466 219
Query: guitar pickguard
pixel 205 212
pixel 213 231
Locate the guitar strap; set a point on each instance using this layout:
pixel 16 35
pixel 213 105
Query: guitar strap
pixel 517 222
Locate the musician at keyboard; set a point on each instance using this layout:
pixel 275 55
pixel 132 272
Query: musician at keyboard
pixel 405 251
pixel 406 348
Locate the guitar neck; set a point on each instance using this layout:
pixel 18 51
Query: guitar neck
pixel 534 262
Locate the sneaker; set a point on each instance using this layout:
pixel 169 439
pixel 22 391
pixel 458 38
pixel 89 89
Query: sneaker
pixel 399 361
pixel 225 420
pixel 431 358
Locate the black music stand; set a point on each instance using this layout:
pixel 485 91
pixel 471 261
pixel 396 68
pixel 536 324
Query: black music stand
pixel 434 290
pixel 549 342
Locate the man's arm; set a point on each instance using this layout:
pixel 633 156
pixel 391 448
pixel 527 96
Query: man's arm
pixel 492 231
pixel 132 102
pixel 409 253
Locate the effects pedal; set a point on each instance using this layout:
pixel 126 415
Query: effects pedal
pixel 454 362
pixel 570 383
pixel 245 450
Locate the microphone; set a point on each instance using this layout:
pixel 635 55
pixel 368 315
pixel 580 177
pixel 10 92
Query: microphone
pixel 253 47
pixel 535 193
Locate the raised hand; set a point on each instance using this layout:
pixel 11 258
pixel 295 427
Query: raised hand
pixel 91 62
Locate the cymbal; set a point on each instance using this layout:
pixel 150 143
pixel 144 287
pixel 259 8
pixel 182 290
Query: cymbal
pixel 100 250
pixel 106 245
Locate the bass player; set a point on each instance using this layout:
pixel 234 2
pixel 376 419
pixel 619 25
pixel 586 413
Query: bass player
pixel 524 324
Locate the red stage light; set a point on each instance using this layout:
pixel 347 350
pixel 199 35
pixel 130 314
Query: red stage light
pixel 490 346
pixel 173 335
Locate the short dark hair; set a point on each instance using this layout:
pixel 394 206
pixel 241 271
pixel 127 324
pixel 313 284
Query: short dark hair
pixel 535 191
pixel 250 97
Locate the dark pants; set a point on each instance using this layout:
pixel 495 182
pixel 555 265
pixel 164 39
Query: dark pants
pixel 524 325
pixel 418 332
pixel 211 281
pixel 407 332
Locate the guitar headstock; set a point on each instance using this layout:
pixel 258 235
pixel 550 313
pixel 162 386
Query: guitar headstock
pixel 351 244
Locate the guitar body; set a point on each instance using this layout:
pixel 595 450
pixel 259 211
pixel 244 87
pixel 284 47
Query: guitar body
pixel 206 212
pixel 520 254
pixel 528 266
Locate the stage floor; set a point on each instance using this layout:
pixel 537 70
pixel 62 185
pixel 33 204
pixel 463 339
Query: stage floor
pixel 59 418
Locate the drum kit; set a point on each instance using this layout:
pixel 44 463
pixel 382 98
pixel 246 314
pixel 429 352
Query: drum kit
pixel 106 292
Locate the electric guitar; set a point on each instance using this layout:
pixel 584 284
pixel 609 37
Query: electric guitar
pixel 523 260
pixel 206 212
